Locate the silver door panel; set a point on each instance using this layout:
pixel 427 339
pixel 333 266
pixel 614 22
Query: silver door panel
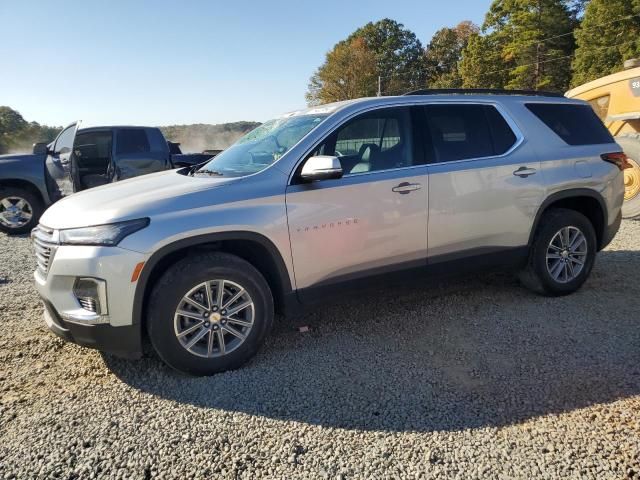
pixel 483 203
pixel 357 223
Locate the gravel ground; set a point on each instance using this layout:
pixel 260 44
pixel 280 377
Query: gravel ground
pixel 471 379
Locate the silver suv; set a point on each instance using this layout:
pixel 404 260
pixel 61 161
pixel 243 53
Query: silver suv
pixel 363 191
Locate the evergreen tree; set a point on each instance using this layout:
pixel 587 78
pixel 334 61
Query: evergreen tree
pixel 527 44
pixel 482 65
pixel 608 35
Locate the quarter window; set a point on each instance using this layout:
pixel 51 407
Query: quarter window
pixel 375 141
pixel 132 140
pixel 501 133
pixel 460 132
pixel 574 123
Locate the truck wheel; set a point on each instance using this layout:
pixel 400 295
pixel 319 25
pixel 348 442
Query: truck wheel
pixel 562 254
pixel 209 313
pixel 631 146
pixel 20 210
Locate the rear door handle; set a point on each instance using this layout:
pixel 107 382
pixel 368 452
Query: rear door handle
pixel 524 172
pixel 406 187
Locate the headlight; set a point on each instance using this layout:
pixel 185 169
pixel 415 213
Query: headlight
pixel 102 235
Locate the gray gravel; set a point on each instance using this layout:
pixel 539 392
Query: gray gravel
pixel 470 379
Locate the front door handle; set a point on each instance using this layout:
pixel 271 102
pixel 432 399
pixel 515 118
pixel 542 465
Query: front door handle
pixel 524 172
pixel 406 187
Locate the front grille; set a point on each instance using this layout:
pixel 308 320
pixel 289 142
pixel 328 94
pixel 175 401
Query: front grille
pixel 44 243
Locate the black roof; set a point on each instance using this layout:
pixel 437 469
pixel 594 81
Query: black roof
pixel 482 91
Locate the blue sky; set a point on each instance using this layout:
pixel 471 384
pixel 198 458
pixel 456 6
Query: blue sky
pixel 173 62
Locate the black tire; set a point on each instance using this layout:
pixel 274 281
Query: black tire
pixel 181 278
pixel 35 205
pixel 536 275
pixel 631 146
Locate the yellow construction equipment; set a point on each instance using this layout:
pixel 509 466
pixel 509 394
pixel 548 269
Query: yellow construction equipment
pixel 616 100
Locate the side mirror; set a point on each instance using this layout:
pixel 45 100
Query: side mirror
pixel 322 167
pixel 40 148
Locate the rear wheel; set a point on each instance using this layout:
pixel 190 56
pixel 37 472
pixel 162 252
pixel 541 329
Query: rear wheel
pixel 20 210
pixel 209 313
pixel 562 254
pixel 631 146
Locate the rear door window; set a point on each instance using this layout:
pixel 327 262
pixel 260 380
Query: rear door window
pixel 93 149
pixel 132 140
pixel 575 124
pixel 461 132
pixel 157 141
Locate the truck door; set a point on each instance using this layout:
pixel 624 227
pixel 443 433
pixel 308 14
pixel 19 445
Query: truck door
pixel 58 163
pixel 139 151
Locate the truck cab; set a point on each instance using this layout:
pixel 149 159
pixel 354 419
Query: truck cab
pixel 79 159
pixel 99 155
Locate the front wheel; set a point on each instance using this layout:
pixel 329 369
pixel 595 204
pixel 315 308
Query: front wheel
pixel 209 313
pixel 20 210
pixel 562 254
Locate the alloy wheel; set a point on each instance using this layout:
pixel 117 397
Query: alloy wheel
pixel 567 254
pixel 214 318
pixel 15 212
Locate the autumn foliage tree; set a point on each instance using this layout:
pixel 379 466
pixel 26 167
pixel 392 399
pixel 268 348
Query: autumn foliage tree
pixel 348 72
pixel 444 53
pixel 351 69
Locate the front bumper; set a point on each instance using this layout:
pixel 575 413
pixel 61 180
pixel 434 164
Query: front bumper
pixel 113 331
pixel 121 341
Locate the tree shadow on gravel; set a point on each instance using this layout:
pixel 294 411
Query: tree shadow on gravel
pixel 472 353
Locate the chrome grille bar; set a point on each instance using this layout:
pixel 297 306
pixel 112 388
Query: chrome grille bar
pixel 44 243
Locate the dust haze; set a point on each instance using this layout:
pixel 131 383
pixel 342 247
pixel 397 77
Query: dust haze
pixel 198 137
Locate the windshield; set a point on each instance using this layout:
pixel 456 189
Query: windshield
pixel 261 147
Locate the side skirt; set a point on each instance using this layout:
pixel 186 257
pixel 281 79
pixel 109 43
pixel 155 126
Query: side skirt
pixel 437 268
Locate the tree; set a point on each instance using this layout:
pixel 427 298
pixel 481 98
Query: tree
pixel 382 49
pixel 18 134
pixel 349 72
pixel 608 35
pixel 530 41
pixel 443 55
pixel 482 64
pixel 11 122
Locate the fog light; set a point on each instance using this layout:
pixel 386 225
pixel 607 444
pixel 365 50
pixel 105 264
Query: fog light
pixel 91 294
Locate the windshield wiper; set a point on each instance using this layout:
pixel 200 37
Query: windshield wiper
pixel 213 173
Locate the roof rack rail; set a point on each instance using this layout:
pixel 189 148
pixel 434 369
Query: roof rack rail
pixel 476 91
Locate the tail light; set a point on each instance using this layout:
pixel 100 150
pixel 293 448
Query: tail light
pixel 619 159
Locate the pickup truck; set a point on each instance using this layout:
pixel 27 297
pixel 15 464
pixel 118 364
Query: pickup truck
pixel 79 159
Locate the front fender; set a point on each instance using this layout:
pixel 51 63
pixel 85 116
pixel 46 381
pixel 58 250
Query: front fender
pixel 25 168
